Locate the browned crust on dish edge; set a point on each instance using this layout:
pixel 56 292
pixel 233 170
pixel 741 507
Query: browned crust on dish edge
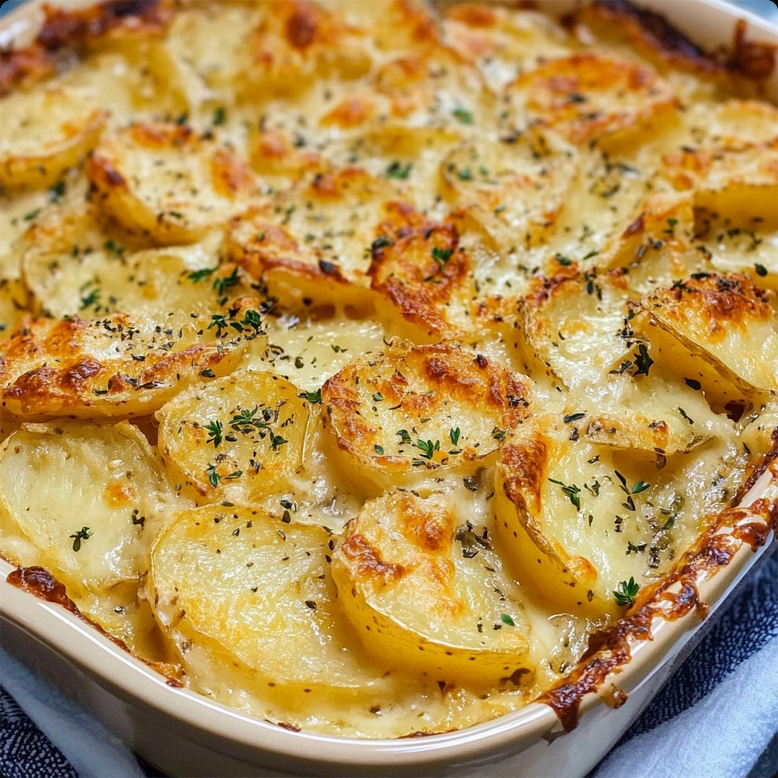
pixel 39 582
pixel 650 31
pixel 62 28
pixel 609 649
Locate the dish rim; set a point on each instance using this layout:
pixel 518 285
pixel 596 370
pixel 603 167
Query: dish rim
pixel 144 686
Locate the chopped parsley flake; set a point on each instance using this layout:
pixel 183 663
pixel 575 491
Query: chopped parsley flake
pixel 462 115
pixel 643 361
pixel 441 256
pixel 399 171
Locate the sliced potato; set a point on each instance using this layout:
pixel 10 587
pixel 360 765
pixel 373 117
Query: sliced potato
pixel 316 240
pixel 502 40
pixel 512 192
pixel 90 498
pixel 576 519
pixel 206 48
pixel 589 97
pixel 75 265
pixel 656 247
pixel 239 438
pixel 119 365
pixel 422 598
pixel 738 180
pixel 575 326
pixel 299 42
pixel 161 179
pixel 653 413
pixel 399 415
pixel 249 595
pixel 401 152
pixel 419 267
pixel 732 122
pixel 433 87
pixel 749 249
pixel 726 322
pixel 36 153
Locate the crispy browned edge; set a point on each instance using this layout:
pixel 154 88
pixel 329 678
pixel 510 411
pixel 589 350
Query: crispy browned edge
pixel 609 648
pixel 651 32
pixel 72 29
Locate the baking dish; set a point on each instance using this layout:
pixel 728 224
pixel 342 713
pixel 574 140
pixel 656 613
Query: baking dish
pixel 201 737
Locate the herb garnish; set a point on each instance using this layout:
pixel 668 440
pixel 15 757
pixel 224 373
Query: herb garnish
pixel 441 256
pixel 214 429
pixel 427 447
pixel 200 275
pixel 83 534
pixel 462 115
pixel 398 170
pixel 213 476
pixel 572 491
pixel 626 593
pixel 643 361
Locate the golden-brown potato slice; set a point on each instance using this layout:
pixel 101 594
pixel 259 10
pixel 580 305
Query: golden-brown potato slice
pixel 407 413
pixel 421 599
pixel 161 179
pixel 577 519
pixel 726 322
pixel 239 437
pixel 90 498
pixel 316 240
pixel 299 42
pixel 45 132
pixel 433 86
pixel 655 248
pixel 419 267
pixel 512 192
pixel 118 365
pixel 500 40
pixel 589 97
pixel 738 180
pixel 574 325
pixel 252 596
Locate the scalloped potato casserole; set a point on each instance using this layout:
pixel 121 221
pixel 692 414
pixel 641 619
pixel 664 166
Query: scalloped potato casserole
pixel 359 361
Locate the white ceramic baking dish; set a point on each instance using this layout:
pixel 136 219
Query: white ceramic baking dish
pixel 185 734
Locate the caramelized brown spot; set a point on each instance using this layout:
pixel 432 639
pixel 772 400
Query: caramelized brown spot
pixel 369 563
pixel 525 467
pixel 302 25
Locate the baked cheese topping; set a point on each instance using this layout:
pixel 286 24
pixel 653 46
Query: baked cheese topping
pixel 363 359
